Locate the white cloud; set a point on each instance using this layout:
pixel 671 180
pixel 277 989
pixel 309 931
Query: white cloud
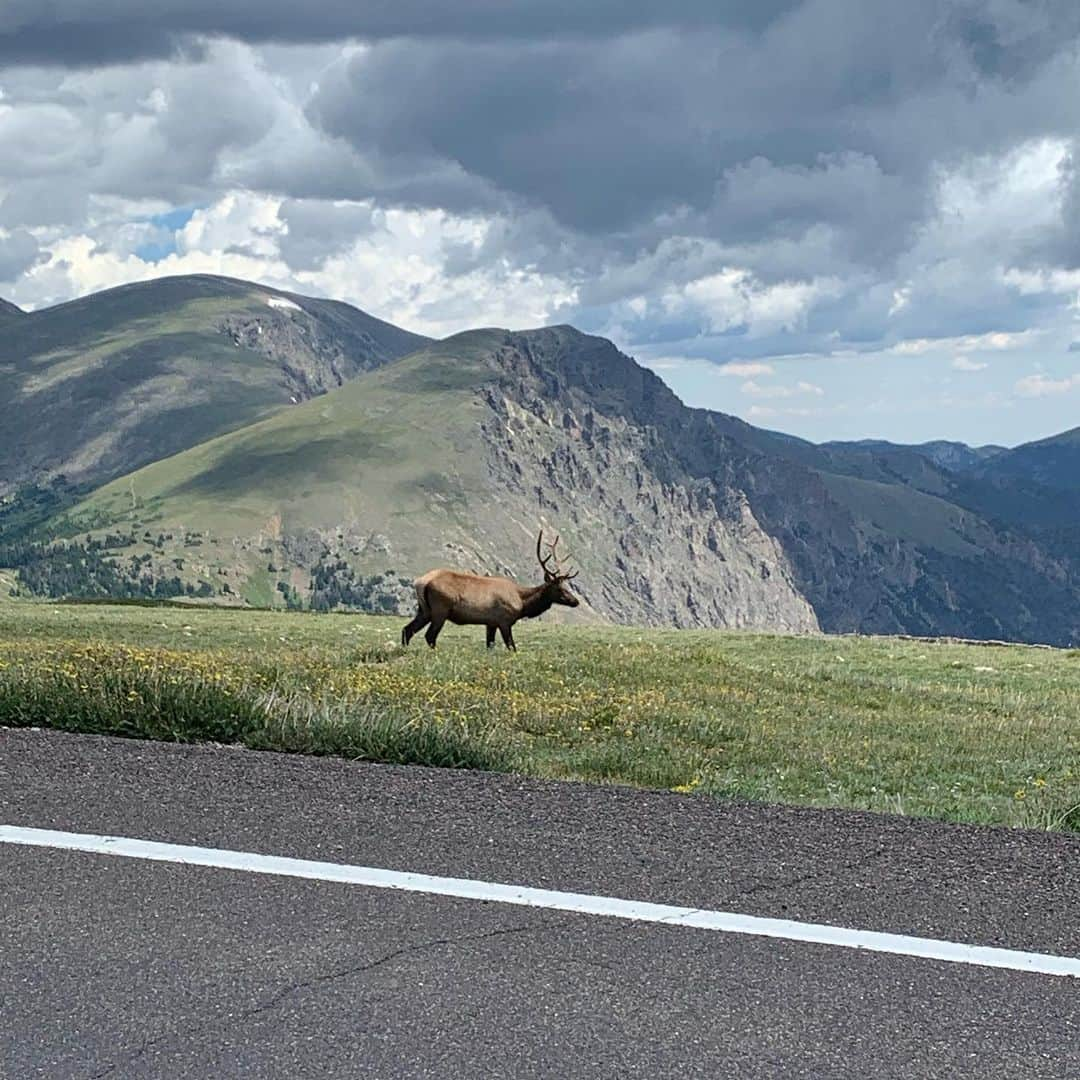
pixel 396 270
pixel 901 297
pixel 987 201
pixel 1033 282
pixel 965 363
pixel 1037 386
pixel 755 389
pixel 745 370
pixel 673 363
pixel 766 412
pixel 997 340
pixel 734 298
pixel 240 222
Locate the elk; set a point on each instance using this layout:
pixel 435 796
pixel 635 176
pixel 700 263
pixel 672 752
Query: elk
pixel 495 602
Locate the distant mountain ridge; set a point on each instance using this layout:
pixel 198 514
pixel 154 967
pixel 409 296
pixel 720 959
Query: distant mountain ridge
pixel 454 452
pixel 953 456
pixel 101 385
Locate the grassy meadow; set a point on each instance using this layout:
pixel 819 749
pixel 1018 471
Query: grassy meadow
pixel 959 732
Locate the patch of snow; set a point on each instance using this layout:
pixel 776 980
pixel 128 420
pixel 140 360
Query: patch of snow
pixel 281 302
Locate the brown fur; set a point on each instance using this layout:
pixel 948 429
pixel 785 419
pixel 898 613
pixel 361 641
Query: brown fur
pixel 475 600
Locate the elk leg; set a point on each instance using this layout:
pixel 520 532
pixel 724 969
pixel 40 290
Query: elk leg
pixel 433 631
pixel 508 638
pixel 418 623
pixel 490 637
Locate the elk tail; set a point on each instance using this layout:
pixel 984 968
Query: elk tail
pixel 422 597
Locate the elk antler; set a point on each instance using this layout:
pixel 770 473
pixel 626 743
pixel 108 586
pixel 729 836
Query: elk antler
pixel 547 558
pixel 558 571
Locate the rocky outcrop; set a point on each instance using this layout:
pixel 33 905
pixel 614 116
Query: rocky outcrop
pixel 313 357
pixel 655 544
pixel 696 519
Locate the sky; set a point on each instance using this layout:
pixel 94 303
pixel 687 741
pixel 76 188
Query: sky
pixel 837 218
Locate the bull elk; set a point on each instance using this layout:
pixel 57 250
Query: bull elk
pixel 495 602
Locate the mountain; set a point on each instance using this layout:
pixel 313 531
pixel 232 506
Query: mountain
pixel 239 442
pixel 675 516
pixel 452 455
pixel 1030 487
pixel 9 310
pixel 951 456
pixel 1052 463
pixel 104 384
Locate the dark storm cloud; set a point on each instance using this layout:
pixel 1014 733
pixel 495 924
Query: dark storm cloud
pixel 627 150
pixel 558 124
pixel 1066 245
pixel 837 114
pixel 43 201
pixel 72 32
pixel 18 252
pixel 317 230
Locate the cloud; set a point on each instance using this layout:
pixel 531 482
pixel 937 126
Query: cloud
pixel 108 31
pixel 745 370
pixel 754 389
pixel 316 229
pixel 709 184
pixel 770 412
pixel 995 340
pixel 18 252
pixel 735 299
pixel 965 363
pixel 395 269
pixel 1038 386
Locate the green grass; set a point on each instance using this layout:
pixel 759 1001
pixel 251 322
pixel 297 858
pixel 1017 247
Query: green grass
pixel 114 380
pixel 900 512
pixel 365 450
pixel 367 453
pixel 962 733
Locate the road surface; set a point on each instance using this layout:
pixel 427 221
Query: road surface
pixel 127 967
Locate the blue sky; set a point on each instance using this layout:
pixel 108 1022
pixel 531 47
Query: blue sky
pixel 905 399
pixel 836 218
pixel 167 226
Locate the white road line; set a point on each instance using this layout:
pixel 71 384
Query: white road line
pixel 583 903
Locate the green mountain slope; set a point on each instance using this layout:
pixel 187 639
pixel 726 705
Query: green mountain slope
pixel 1052 463
pixel 452 456
pixel 247 443
pixel 373 451
pixel 8 310
pixel 99 386
pixel 676 516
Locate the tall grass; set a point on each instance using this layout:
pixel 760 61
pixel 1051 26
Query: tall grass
pixel 957 732
pixel 156 695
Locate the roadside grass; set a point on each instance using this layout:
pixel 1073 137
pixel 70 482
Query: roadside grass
pixel 957 732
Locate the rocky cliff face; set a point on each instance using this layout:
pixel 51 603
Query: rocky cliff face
pixel 316 353
pixel 656 544
pixel 693 518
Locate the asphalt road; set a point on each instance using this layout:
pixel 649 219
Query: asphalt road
pixel 118 967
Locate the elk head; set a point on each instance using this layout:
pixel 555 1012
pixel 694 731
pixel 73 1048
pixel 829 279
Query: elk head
pixel 555 580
